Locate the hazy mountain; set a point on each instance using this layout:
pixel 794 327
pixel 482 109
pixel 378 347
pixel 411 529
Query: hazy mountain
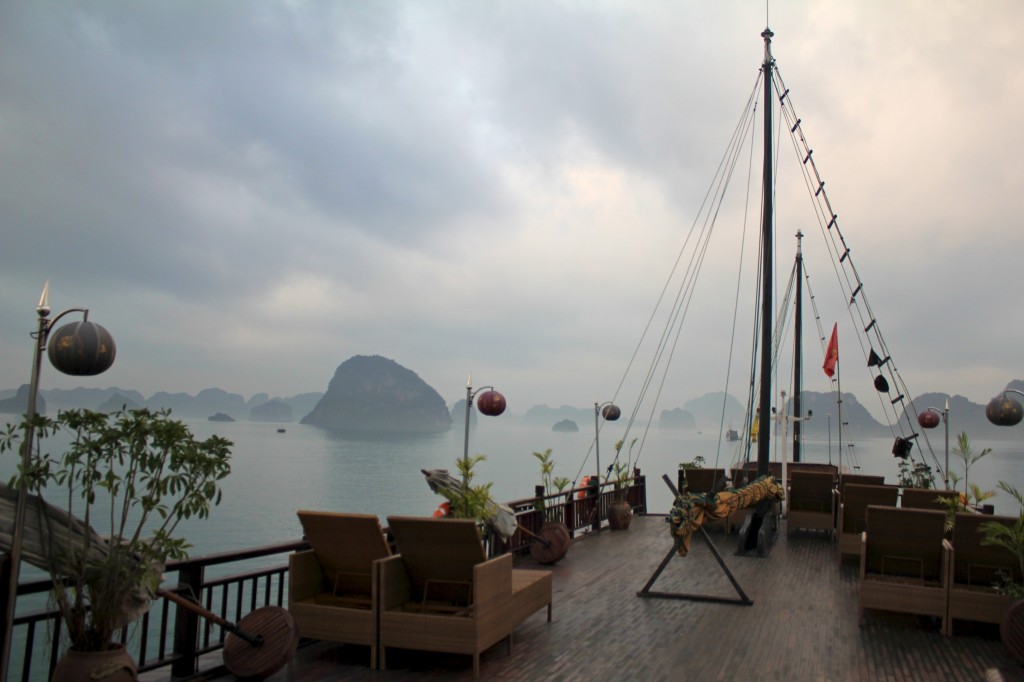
pixel 17 402
pixel 566 426
pixel 116 403
pixel 542 415
pixel 854 415
pixel 458 413
pixel 88 398
pixel 964 416
pixel 707 411
pixel 372 393
pixel 677 418
pixel 275 410
pixel 260 398
pixel 303 403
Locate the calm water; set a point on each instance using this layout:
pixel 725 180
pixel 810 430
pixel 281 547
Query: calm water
pixel 275 474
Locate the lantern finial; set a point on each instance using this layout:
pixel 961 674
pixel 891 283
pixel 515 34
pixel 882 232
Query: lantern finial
pixel 43 309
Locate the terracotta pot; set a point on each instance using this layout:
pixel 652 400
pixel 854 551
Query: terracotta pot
pixel 619 515
pixel 114 665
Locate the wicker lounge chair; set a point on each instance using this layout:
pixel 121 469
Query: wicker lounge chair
pixel 705 481
pixel 813 502
pixel 925 498
pixel 440 593
pixel 331 587
pixel 858 479
pixel 904 563
pixel 852 520
pixel 738 478
pixel 976 569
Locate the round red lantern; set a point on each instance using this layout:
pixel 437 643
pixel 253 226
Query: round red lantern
pixel 81 349
pixel 928 419
pixel 491 403
pixel 1004 411
pixel 611 412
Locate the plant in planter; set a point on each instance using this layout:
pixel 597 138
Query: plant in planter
pixel 468 501
pixel 552 484
pixel 915 475
pixel 465 500
pixel 134 476
pixel 972 495
pixel 553 540
pixel 619 511
pixel 1010 538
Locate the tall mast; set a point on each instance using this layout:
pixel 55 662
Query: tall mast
pixel 764 437
pixel 798 351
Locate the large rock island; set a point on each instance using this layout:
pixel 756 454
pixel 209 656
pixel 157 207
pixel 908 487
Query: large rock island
pixel 372 393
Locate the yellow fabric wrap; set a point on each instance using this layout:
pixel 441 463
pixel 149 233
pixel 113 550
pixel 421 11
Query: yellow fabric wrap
pixel 689 513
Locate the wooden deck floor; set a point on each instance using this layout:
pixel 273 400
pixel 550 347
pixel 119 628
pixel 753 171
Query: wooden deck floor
pixel 801 626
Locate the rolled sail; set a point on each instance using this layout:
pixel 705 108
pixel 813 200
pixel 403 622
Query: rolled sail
pixel 688 514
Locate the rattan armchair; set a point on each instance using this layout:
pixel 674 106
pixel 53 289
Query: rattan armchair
pixel 331 587
pixel 976 570
pixel 441 593
pixel 904 563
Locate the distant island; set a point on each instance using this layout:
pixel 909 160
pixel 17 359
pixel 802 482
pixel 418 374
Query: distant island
pixel 375 393
pixel 566 425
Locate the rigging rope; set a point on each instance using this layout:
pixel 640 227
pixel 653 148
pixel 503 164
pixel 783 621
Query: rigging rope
pixel 689 263
pixel 858 308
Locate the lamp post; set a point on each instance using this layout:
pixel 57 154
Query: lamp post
pixel 1004 410
pixel 929 419
pixel 610 412
pixel 490 403
pixel 80 349
pixel 784 419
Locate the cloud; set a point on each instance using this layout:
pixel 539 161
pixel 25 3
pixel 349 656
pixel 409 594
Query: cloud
pixel 247 194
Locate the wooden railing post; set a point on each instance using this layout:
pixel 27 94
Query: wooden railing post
pixel 594 493
pixel 6 606
pixel 186 624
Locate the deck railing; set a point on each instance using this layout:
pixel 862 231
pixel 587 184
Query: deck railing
pixel 175 638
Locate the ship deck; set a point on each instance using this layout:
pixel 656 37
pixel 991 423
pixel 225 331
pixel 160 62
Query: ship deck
pixel 802 624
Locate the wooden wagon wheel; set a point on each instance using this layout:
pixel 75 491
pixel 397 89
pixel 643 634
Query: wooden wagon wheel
pixel 1011 630
pixel 551 543
pixel 262 643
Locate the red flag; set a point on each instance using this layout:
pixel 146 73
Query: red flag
pixel 832 352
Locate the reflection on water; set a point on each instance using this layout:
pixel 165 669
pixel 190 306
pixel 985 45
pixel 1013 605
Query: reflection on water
pixel 275 474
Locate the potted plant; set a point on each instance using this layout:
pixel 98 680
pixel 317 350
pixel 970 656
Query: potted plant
pixel 620 513
pixel 552 541
pixel 552 484
pixel 133 476
pixel 1010 538
pixel 972 496
pixel 463 500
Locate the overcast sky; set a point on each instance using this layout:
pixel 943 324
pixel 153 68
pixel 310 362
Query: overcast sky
pixel 246 194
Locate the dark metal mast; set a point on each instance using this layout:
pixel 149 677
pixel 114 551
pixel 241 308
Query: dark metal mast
pixel 764 422
pixel 798 351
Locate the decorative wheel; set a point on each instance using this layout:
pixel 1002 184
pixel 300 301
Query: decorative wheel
pixel 551 543
pixel 1011 630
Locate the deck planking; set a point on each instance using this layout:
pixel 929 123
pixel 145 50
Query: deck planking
pixel 801 626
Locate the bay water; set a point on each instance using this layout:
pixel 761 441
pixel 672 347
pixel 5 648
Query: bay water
pixel 275 474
